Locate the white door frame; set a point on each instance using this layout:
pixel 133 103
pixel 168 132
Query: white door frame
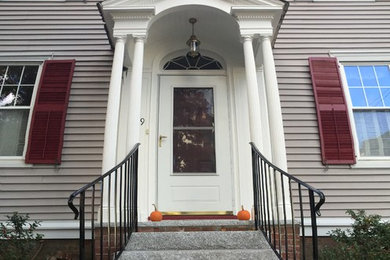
pixel 239 133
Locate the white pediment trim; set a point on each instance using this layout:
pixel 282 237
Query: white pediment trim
pixel 133 17
pixel 220 4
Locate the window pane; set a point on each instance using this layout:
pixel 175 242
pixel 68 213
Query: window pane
pixel 193 107
pixel 193 151
pixel 386 96
pixel 24 96
pixel 13 125
pixel 187 62
pixel 383 74
pixel 3 69
pixel 8 95
pixel 373 97
pixel 29 74
pixel 358 98
pixel 373 132
pixel 13 75
pixel 368 76
pixel 352 75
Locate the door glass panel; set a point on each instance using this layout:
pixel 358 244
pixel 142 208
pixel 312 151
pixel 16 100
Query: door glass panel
pixel 193 151
pixel 193 107
pixel 193 130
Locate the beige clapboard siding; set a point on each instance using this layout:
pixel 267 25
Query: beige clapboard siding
pixel 34 195
pixel 313 29
pixel 64 30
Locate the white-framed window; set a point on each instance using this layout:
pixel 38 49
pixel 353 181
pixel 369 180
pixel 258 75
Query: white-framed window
pixel 18 84
pixel 368 88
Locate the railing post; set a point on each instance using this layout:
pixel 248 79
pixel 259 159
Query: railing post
pixel 93 222
pixel 136 191
pixel 101 218
pixel 313 225
pixel 82 226
pixel 254 178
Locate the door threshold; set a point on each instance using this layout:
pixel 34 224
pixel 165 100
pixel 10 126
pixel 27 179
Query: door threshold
pixel 197 213
pixel 199 217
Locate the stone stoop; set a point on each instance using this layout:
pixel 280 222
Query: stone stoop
pixel 196 225
pixel 207 245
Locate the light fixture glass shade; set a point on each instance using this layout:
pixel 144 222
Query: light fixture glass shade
pixel 193 42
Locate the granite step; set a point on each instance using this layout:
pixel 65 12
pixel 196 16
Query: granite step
pixel 210 240
pixel 199 245
pixel 196 225
pixel 232 254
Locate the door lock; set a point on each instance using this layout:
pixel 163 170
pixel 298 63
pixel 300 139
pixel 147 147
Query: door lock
pixel 160 139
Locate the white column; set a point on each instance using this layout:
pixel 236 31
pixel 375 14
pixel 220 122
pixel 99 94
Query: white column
pixel 112 116
pixel 274 107
pixel 278 144
pixel 133 124
pixel 253 93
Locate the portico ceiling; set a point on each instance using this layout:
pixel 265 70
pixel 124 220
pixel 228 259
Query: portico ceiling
pixel 217 31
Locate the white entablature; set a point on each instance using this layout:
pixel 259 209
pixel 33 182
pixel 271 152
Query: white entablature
pixel 166 4
pixel 134 17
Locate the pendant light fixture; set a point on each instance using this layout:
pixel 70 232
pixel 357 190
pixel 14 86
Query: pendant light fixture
pixel 193 42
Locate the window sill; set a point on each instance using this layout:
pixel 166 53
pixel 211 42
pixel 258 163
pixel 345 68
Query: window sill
pixel 375 162
pixel 13 162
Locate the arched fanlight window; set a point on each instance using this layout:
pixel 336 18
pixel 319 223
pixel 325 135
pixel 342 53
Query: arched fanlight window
pixel 186 62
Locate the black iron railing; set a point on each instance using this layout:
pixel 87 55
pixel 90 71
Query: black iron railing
pixel 286 210
pixel 111 203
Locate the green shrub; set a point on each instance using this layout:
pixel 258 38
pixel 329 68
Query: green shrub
pixel 369 239
pixel 17 238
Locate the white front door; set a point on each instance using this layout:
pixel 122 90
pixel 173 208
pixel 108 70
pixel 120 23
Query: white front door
pixel 194 164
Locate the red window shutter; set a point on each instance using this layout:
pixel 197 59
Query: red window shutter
pixel 332 112
pixel 48 119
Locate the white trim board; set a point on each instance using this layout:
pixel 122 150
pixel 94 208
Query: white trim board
pixel 65 229
pixel 357 56
pixel 70 229
pixel 325 225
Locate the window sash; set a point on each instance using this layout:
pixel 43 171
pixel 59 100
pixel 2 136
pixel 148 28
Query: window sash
pixel 14 135
pixel 13 126
pixel 371 119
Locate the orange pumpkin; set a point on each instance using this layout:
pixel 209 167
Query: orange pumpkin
pixel 243 214
pixel 155 215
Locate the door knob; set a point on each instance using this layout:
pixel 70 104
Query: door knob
pixel 160 139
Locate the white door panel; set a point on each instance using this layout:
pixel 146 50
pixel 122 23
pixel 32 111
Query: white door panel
pixel 194 164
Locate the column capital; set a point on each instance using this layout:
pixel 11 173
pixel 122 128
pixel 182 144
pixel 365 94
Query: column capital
pixel 265 37
pixel 247 37
pixel 139 37
pixel 121 38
